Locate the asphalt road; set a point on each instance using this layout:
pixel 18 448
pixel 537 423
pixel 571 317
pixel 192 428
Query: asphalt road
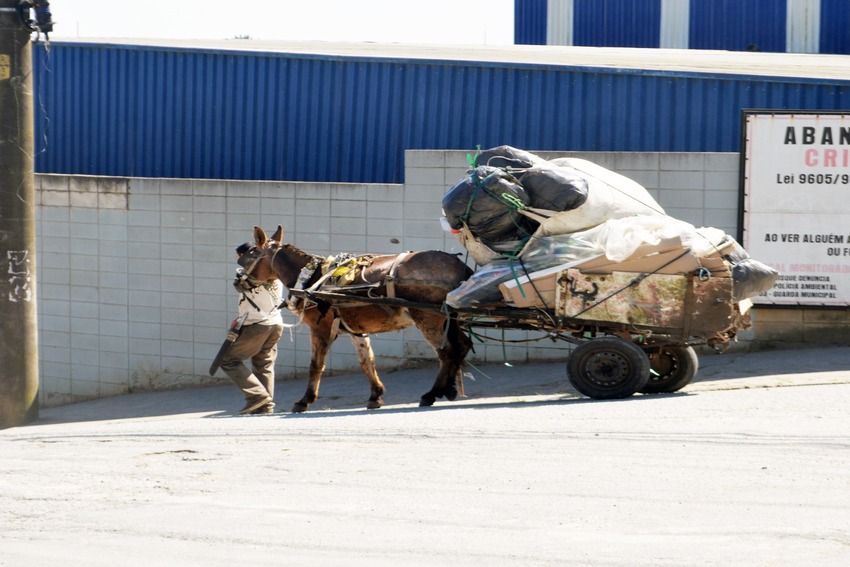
pixel 749 465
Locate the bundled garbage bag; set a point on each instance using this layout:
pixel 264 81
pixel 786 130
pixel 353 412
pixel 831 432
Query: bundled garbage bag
pixel 483 286
pixel 623 238
pixel 549 188
pixel 508 157
pixel 554 188
pixel 609 196
pixel 487 201
pixel 583 245
pixel 619 240
pixel 749 276
pixel 511 195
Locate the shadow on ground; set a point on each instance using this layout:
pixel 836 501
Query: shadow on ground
pixel 486 386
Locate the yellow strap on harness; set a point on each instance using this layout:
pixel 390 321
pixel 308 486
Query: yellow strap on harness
pixel 340 270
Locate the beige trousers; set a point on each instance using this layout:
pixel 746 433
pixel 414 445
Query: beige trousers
pixel 257 343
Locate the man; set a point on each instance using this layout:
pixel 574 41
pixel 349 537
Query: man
pixel 262 325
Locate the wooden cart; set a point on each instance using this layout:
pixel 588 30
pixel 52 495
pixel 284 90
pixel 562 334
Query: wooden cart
pixel 632 331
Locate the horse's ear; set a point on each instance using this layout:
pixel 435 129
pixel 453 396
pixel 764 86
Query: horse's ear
pixel 259 237
pixel 278 235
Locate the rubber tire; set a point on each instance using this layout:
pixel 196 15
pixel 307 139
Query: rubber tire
pixel 608 368
pixel 673 368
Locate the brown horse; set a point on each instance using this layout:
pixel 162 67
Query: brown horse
pixel 419 277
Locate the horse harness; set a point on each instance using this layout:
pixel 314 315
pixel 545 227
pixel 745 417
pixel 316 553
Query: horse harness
pixel 338 272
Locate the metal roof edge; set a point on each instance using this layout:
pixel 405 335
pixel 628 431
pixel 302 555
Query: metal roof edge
pixel 465 55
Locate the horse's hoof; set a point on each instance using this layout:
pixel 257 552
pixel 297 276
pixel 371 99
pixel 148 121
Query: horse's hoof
pixel 374 404
pixel 299 407
pixel 425 402
pixel 451 394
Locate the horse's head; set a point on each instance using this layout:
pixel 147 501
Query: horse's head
pixel 256 260
pixel 270 259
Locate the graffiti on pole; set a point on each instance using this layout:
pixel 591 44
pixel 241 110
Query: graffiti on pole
pixel 5 67
pixel 20 279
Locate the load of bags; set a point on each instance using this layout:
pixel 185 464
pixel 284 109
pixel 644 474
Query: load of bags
pixel 521 217
pixel 511 195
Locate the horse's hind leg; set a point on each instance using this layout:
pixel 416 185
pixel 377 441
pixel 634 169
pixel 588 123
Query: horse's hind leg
pixel 451 346
pixel 363 346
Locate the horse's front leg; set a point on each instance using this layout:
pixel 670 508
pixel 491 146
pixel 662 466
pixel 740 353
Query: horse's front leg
pixel 363 346
pixel 321 339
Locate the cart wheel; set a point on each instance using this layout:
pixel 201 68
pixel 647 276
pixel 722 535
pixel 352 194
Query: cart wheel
pixel 673 368
pixel 607 368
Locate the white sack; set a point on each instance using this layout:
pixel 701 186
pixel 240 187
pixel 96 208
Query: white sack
pixel 610 196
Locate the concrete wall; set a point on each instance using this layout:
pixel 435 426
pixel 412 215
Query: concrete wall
pixel 134 275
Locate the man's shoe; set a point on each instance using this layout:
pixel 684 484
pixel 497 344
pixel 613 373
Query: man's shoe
pixel 268 408
pixel 254 403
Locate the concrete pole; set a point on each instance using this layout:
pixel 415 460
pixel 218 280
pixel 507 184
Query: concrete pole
pixel 18 324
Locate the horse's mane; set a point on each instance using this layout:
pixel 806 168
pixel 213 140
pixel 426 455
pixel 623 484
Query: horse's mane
pixel 288 261
pixel 293 251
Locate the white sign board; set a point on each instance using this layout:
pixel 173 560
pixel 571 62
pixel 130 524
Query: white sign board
pixel 796 217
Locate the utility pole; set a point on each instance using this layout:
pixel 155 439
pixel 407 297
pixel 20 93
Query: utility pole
pixel 18 323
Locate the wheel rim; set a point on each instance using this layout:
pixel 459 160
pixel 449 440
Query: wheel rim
pixel 606 369
pixel 664 364
pixel 671 369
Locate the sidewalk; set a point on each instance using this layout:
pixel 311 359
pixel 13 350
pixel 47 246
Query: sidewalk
pixel 487 384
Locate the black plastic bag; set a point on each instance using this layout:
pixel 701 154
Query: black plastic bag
pixel 749 277
pixel 507 156
pixel 554 189
pixel 487 200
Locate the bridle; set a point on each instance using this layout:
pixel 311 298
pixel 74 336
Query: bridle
pixel 245 278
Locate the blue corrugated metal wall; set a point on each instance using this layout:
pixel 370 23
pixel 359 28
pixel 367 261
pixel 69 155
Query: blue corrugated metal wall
pixel 737 24
pixel 530 22
pixel 835 26
pixel 712 24
pixel 617 23
pixel 158 112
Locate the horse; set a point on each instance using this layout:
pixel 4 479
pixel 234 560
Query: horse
pixel 423 277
